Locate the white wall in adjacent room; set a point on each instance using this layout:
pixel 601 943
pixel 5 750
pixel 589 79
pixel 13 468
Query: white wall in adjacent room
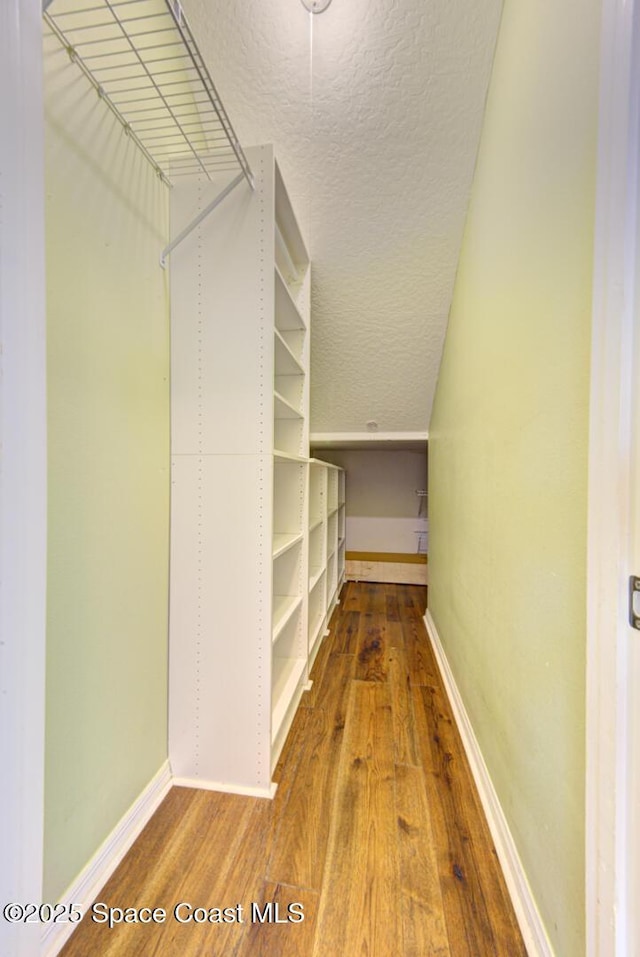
pixel 384 513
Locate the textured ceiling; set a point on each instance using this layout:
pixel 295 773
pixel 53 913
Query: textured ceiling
pixel 375 108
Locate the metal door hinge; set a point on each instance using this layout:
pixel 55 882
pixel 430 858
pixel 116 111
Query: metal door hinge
pixel 634 596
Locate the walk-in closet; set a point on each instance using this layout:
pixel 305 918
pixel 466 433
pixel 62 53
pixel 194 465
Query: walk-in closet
pixel 296 488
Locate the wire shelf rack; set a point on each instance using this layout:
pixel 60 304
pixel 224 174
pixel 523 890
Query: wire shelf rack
pixel 144 62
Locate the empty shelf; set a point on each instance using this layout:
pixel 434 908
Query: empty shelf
pixel 284 607
pixel 315 574
pixel 315 633
pixel 288 228
pixel 284 409
pixel 288 457
pixel 283 542
pixel 288 673
pixel 287 313
pixel 286 363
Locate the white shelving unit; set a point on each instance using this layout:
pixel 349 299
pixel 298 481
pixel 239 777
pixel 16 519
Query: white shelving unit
pixel 325 576
pixel 342 526
pixel 289 570
pixel 317 555
pixel 332 537
pixel 240 531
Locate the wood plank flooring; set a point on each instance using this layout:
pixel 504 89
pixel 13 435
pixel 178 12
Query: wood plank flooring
pixel 375 834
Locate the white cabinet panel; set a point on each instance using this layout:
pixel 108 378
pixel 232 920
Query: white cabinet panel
pixel 239 556
pixel 220 619
pixel 222 289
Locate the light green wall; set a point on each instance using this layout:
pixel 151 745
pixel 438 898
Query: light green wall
pixel 508 444
pixel 108 421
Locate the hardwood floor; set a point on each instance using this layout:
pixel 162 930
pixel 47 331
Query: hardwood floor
pixel 375 834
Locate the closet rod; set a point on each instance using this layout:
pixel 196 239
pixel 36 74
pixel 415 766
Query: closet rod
pixel 202 215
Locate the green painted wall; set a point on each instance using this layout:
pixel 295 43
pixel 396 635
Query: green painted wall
pixel 108 421
pixel 508 444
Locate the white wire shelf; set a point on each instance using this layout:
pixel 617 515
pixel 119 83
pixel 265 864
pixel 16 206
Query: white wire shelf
pixel 143 61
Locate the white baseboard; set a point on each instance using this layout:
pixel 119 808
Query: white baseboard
pixel 104 862
pixel 204 785
pixel 524 905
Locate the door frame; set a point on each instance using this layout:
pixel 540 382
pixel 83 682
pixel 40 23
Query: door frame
pixel 614 305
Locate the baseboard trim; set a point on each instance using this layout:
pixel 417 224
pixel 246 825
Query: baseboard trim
pixel 104 862
pixel 526 910
pixel 226 788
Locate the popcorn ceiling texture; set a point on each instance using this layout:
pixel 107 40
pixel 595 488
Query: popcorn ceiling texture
pixel 376 134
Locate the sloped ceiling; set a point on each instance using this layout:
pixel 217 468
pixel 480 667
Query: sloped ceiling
pixel 375 108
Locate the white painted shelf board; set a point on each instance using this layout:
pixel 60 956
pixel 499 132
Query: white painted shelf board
pixel 340 542
pixel 292 273
pixel 286 361
pixel 284 409
pixel 283 542
pixel 331 554
pixel 287 315
pixel 332 510
pixel 288 224
pixel 395 441
pixel 284 608
pixel 315 523
pixel 280 456
pixel 288 678
pixel 316 632
pixel 315 576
